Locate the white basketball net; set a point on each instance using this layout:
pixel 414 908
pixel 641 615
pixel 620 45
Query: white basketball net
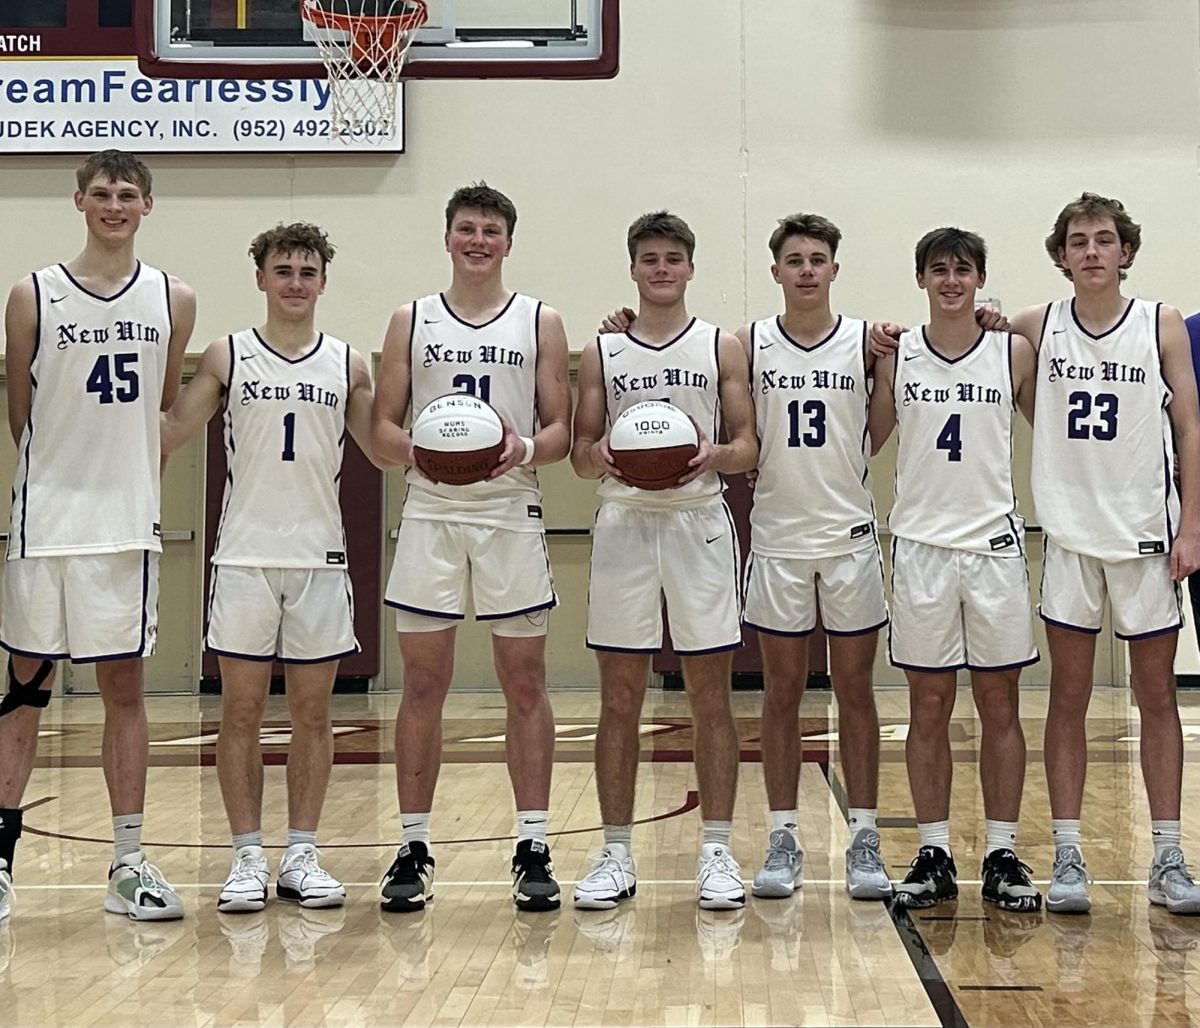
pixel 363 45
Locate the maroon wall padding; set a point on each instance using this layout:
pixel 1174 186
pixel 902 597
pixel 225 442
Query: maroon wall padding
pixel 362 513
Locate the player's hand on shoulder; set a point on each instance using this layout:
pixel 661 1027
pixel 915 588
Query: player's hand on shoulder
pixel 752 477
pixel 990 319
pixel 884 338
pixel 620 320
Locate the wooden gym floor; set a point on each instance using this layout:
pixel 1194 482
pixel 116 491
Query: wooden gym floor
pixel 819 959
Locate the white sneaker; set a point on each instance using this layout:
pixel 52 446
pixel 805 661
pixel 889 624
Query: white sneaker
pixel 138 889
pixel 866 874
pixel 1171 884
pixel 6 890
pixel 783 869
pixel 302 880
pixel 612 878
pixel 245 889
pixel 719 883
pixel 1069 880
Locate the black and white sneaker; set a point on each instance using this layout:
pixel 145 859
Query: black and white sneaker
pixel 534 887
pixel 930 879
pixel 408 884
pixel 1006 883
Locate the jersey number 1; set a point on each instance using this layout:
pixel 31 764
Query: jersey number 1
pixel 123 368
pixel 289 436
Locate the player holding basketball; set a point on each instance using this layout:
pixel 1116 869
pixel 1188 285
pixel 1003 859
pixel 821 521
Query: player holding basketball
pixel 280 585
pixel 677 542
pixel 510 350
pixel 960 587
pixel 1115 385
pixel 94 349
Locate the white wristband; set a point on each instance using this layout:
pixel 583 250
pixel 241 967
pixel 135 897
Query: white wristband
pixel 528 458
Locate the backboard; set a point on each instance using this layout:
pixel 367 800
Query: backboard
pixel 240 39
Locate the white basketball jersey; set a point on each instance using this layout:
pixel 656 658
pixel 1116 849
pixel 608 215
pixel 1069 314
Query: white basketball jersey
pixel 87 478
pixel 954 464
pixel 496 361
pixel 1102 445
pixel 812 497
pixel 285 420
pixel 684 372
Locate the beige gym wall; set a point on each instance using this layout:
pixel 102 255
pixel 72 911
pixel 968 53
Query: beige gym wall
pixel 889 116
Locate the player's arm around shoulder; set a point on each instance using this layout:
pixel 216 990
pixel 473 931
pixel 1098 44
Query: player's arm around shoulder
pixel 1030 322
pixel 590 456
pixel 391 443
pixel 553 439
pixel 740 453
pixel 20 340
pixel 198 400
pixel 1024 374
pixel 359 402
pixel 1175 352
pixel 183 320
pixel 881 412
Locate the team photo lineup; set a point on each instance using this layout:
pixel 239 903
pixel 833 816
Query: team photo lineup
pixel 473 394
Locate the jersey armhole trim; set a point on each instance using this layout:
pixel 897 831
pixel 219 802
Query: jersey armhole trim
pixel 170 313
pixel 1045 322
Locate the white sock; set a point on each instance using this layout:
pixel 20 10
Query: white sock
pixel 296 837
pixel 1001 835
pixel 781 819
pixel 127 835
pixel 1165 834
pixel 619 833
pixel 717 833
pixel 254 838
pixel 862 817
pixel 531 824
pixel 1065 832
pixel 415 828
pixel 935 833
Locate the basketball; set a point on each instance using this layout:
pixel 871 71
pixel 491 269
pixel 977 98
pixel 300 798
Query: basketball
pixel 457 439
pixel 651 444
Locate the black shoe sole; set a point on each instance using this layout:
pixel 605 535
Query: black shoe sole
pixel 538 903
pixel 405 906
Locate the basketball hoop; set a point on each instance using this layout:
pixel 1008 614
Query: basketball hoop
pixel 363 45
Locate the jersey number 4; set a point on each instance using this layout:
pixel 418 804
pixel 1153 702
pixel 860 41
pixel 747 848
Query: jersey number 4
pixel 120 368
pixel 814 434
pixel 950 438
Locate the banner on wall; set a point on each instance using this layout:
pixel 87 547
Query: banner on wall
pixel 65 106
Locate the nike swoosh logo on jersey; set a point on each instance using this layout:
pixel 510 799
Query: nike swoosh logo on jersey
pixel 247 356
pixel 911 356
pixel 616 353
pixel 433 321
pixel 713 539
pixel 57 299
pixel 766 346
pixel 1059 332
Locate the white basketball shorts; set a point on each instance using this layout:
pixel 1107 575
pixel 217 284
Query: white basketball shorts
pixel 508 574
pixel 953 609
pixel 1145 600
pixel 88 607
pixel 783 593
pixel 295 615
pixel 640 556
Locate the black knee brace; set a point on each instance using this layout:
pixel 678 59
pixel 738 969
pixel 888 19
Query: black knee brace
pixel 26 694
